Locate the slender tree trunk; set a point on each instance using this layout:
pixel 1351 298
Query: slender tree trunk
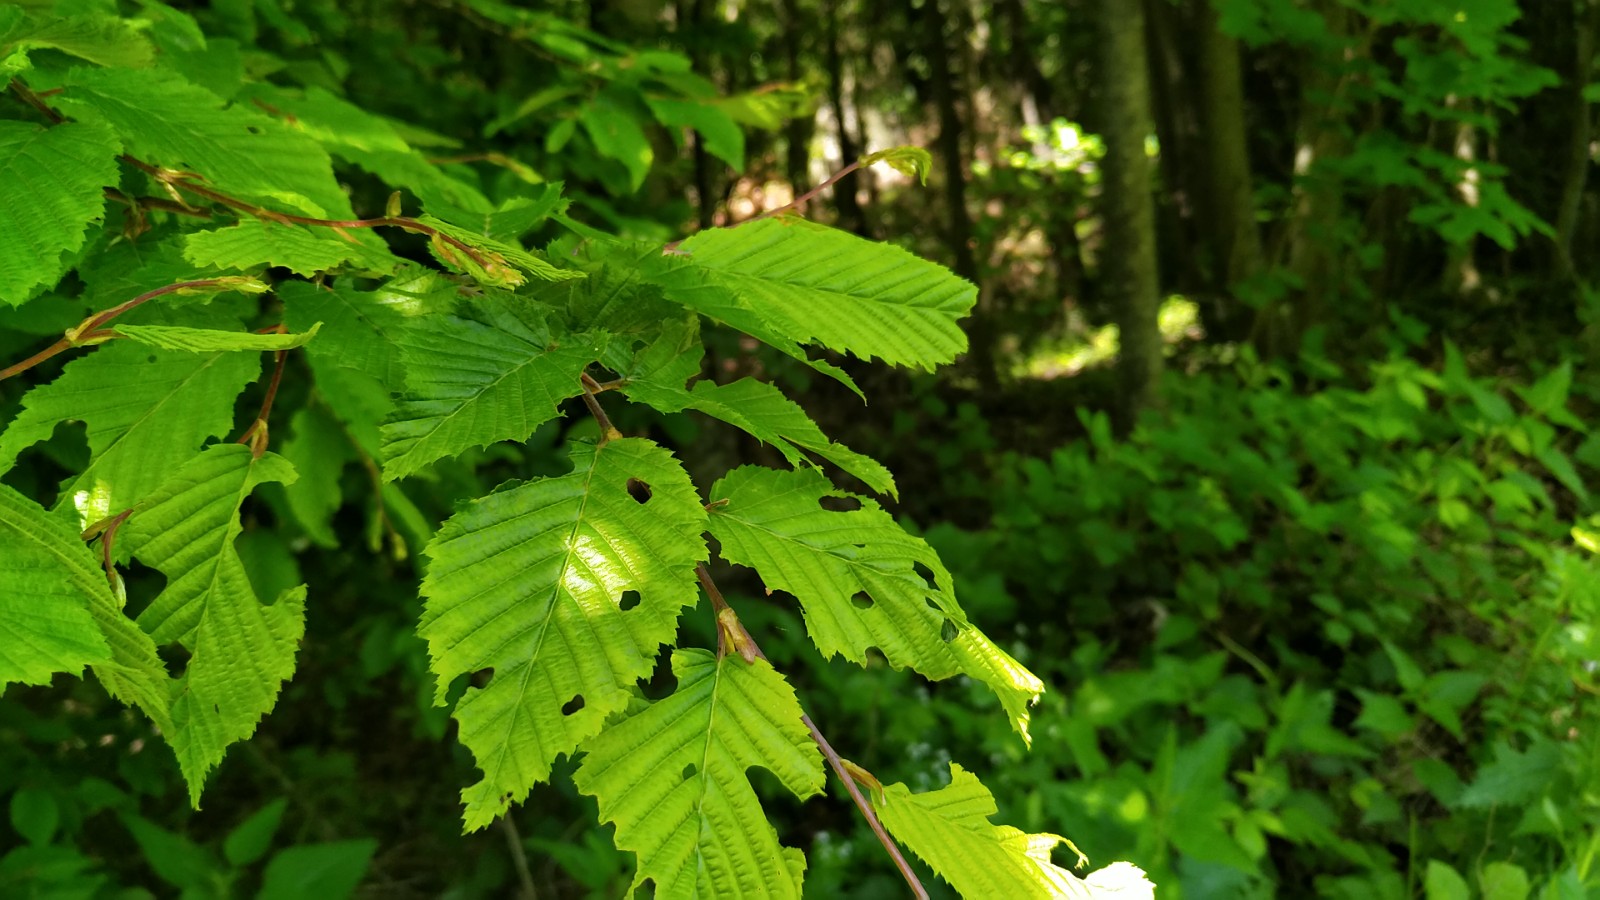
pixel 1236 241
pixel 851 215
pixel 798 130
pixel 958 227
pixel 1128 259
pixel 1576 170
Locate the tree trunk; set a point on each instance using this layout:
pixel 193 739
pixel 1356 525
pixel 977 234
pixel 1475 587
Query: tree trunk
pixel 1235 239
pixel 1128 259
pixel 851 215
pixel 797 131
pixel 1576 171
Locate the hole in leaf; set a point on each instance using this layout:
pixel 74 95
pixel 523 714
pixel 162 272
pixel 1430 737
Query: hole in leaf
pixel 934 604
pixel 862 600
pixel 151 358
pixel 926 574
pixel 638 490
pixel 949 631
pixel 481 677
pixel 175 657
pixel 875 658
pixel 629 600
pixel 252 129
pixel 573 705
pixel 839 504
pixel 688 772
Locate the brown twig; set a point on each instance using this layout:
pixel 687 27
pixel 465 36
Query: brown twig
pixel 794 204
pixel 839 765
pixel 590 389
pixel 88 331
pixel 519 857
pixel 257 434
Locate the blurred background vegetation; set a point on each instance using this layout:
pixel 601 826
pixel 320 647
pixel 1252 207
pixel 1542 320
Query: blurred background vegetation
pixel 1272 454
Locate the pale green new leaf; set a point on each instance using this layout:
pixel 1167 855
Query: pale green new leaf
pixel 819 285
pixel 658 375
pixel 470 385
pixel 529 583
pixel 167 121
pixel 53 181
pixel 855 575
pixel 202 340
pixel 304 251
pixel 143 407
pixel 241 650
pixel 950 830
pixel 499 263
pixel 57 610
pixel 48 580
pixel 673 780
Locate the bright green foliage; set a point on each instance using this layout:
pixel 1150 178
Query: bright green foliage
pixel 869 299
pixel 305 251
pixel 240 649
pixel 704 834
pixel 107 40
pixel 530 581
pixel 658 377
pixel 48 580
pixel 168 122
pixel 469 384
pixel 203 340
pixel 950 829
pixel 54 182
pixel 856 576
pixel 546 601
pixel 144 408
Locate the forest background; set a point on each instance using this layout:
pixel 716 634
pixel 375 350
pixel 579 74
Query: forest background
pixel 1272 453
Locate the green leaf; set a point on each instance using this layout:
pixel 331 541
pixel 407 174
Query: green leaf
pixel 817 285
pixel 240 649
pixel 304 251
pixel 950 830
pixel 366 140
pixel 617 135
pixel 497 264
pixel 329 871
pixel 144 408
pixel 914 162
pixel 1443 882
pixel 35 814
pixel 673 780
pixel 529 582
pixel 1504 881
pixel 249 841
pixel 509 221
pixel 53 181
pixel 658 376
pixel 106 40
pixel 361 330
pixel 470 385
pixel 855 575
pixel 206 340
pixel 168 122
pixel 174 858
pixel 48 581
pixel 722 136
pixel 318 449
pixel 1515 777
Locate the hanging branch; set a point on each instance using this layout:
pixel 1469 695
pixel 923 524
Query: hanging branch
pixel 731 633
